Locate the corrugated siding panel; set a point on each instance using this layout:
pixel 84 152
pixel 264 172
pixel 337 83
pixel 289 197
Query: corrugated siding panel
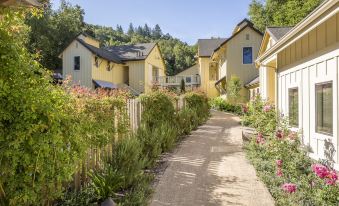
pixel 137 75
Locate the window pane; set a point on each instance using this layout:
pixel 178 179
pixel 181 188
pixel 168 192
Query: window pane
pixel 77 63
pixel 247 55
pixel 324 108
pixel 293 107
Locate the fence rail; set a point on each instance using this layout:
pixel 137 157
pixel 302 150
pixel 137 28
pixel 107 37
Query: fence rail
pixel 96 156
pixel 190 80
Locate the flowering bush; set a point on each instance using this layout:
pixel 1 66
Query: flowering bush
pixel 290 175
pixel 260 115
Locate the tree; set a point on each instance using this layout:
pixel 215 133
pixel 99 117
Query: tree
pixel 280 12
pixel 119 29
pixel 147 31
pixel 157 32
pixel 130 31
pixel 51 33
pixel 233 89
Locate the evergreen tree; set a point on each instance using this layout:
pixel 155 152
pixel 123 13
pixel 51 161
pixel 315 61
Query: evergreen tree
pixel 140 31
pixel 147 31
pixel 130 31
pixel 157 32
pixel 119 29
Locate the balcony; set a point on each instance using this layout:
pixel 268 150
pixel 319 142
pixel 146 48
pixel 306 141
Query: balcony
pixel 175 81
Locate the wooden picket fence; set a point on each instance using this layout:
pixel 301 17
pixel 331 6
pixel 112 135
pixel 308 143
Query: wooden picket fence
pixel 96 157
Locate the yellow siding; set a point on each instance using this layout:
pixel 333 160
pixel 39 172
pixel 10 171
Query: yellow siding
pixel 326 34
pixel 207 86
pixel 154 59
pixel 115 75
pixel 193 70
pixel 84 75
pixel 137 75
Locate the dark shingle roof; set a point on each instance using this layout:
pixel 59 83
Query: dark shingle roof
pixel 132 52
pixel 100 52
pixel 278 32
pixel 207 46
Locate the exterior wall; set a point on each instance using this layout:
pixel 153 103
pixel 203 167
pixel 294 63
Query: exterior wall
pixel 207 86
pixel 193 70
pixel 115 75
pixel 310 60
pixel 235 66
pixel 84 75
pixel 254 91
pixel 154 59
pixel 137 75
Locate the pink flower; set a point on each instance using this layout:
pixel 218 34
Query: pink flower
pixel 331 178
pixel 320 170
pixel 279 163
pixel 279 134
pixel 244 109
pixel 279 172
pixel 267 108
pixel 289 187
pixel 292 135
pixel 260 139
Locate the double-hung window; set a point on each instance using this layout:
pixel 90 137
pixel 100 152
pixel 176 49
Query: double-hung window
pixel 247 55
pixel 324 108
pixel 77 63
pixel 293 107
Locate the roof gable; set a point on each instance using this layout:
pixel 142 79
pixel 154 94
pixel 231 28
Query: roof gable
pixel 278 32
pixel 132 52
pixel 207 46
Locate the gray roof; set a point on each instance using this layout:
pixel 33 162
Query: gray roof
pixel 132 52
pixel 207 46
pixel 253 82
pixel 100 52
pixel 278 32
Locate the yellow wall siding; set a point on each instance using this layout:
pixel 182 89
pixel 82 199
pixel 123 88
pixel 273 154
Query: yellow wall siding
pixel 137 75
pixel 193 70
pixel 84 75
pixel 115 75
pixel 207 86
pixel 326 34
pixel 154 59
pixel 235 66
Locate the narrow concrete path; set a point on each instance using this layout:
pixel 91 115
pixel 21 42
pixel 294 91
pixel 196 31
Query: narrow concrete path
pixel 210 168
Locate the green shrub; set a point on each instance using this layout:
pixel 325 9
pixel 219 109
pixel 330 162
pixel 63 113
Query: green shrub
pixel 186 121
pixel 261 115
pixel 198 102
pixel 127 160
pixel 223 105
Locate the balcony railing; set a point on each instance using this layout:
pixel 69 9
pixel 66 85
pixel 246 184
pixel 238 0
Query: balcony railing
pixel 192 80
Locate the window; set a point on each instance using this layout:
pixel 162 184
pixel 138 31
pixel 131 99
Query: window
pixel 293 106
pixel 324 108
pixel 188 79
pixel 96 61
pixel 213 73
pixel 77 63
pixel 247 37
pixel 155 73
pixel 247 57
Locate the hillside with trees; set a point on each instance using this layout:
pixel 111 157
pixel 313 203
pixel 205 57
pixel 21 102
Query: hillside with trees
pixel 265 13
pixel 53 30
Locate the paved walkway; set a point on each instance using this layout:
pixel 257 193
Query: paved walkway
pixel 210 168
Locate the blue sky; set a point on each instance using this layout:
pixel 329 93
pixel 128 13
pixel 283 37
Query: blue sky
pixel 187 20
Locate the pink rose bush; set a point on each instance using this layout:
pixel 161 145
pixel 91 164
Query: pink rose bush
pixel 245 109
pixel 289 187
pixel 330 176
pixel 279 163
pixel 279 134
pixel 260 139
pixel 267 108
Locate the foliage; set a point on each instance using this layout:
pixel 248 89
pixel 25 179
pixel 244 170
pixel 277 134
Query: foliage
pixel 260 115
pixel 198 102
pixel 40 144
pixel 233 88
pixel 186 121
pixel 54 30
pixel 280 13
pixel 220 104
pixel 294 167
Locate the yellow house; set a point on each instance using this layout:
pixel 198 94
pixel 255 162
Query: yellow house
pixel 235 57
pixel 299 70
pixel 132 67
